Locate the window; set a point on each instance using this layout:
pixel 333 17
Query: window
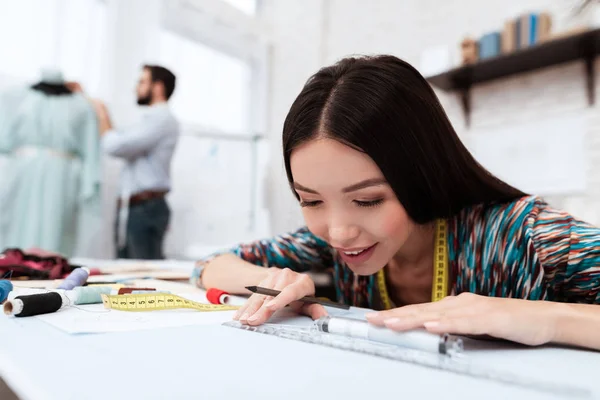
pixel 247 6
pixel 83 33
pixel 216 170
pixel 213 89
pixel 58 33
pixel 28 37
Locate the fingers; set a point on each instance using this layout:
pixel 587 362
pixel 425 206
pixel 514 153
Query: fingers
pixel 415 321
pixel 410 312
pixel 314 311
pixel 379 318
pixel 415 316
pixel 254 301
pixel 509 319
pixel 464 325
pixel 263 312
pixel 242 310
pixel 292 286
pixel 466 313
pixel 302 286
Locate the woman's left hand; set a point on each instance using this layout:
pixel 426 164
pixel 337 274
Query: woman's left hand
pixel 523 321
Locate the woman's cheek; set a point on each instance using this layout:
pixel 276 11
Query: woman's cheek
pixel 315 223
pixel 392 221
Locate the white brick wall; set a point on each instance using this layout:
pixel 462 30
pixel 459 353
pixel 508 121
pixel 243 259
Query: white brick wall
pixel 308 34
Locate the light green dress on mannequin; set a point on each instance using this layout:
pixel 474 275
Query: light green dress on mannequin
pixel 52 172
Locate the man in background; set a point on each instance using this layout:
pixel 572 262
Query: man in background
pixel 147 149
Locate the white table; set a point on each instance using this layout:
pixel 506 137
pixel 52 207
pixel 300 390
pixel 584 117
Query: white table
pixel 41 362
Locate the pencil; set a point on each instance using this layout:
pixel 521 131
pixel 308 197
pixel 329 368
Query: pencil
pixel 306 299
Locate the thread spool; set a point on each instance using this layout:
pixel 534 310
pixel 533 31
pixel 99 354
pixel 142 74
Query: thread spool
pixel 89 295
pixel 25 292
pixel 34 304
pixel 115 286
pixel 5 288
pixel 76 278
pixel 128 290
pixel 149 291
pixel 217 296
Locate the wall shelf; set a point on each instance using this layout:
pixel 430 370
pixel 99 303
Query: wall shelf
pixel 583 46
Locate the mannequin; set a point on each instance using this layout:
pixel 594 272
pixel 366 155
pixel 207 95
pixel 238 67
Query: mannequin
pixel 52 83
pixel 51 138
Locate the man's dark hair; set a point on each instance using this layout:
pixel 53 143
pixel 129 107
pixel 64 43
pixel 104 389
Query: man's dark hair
pixel 163 75
pixel 383 106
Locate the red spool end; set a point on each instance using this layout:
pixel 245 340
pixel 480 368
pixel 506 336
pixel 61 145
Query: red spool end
pixel 217 296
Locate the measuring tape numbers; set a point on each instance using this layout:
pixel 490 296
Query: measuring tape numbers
pixel 440 262
pixel 158 301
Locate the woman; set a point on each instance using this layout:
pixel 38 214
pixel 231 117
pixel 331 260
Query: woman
pixel 406 216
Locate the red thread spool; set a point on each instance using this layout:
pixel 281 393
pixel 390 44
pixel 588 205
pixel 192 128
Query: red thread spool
pixel 217 296
pixel 128 290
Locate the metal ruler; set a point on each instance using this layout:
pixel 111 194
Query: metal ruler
pixel 460 364
pixel 157 301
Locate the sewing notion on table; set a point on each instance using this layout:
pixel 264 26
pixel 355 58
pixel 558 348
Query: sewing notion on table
pixel 120 299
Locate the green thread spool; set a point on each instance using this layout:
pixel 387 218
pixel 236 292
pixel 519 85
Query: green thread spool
pixel 90 295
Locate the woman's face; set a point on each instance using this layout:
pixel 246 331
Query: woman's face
pixel 346 201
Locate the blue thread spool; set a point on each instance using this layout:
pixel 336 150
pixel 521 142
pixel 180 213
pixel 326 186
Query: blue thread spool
pixel 76 278
pixel 90 295
pixel 5 288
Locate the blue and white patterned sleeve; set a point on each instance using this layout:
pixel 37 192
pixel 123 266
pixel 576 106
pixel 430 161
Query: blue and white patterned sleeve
pixel 300 251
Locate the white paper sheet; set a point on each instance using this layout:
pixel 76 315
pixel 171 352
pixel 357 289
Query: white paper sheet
pixel 132 265
pixel 94 318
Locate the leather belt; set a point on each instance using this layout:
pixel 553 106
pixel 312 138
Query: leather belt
pixel 144 196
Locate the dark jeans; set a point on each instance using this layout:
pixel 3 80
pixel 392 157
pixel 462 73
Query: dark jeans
pixel 146 227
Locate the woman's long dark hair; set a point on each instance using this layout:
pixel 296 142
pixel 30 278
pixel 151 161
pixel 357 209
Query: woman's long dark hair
pixel 382 106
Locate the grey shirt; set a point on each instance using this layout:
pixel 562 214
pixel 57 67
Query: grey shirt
pixel 147 149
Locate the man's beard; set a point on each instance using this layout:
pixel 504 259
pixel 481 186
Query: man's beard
pixel 144 100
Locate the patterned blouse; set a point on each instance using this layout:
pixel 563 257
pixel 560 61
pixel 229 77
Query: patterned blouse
pixel 523 249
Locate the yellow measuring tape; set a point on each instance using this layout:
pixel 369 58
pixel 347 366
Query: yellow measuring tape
pixel 158 301
pixel 440 262
pixel 439 287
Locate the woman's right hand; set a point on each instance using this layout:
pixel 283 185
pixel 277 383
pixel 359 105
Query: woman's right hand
pixel 293 286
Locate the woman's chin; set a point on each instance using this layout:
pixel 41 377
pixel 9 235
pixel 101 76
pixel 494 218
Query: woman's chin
pixel 366 269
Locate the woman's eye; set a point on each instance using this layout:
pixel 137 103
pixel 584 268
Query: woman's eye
pixel 310 203
pixel 371 203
